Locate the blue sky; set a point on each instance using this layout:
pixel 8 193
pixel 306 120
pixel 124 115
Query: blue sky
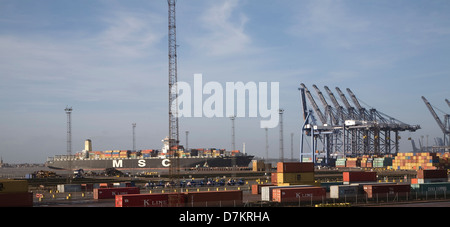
pixel 108 60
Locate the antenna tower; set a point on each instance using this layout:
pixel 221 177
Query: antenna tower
pixel 69 142
pixel 134 136
pixel 281 136
pixel 174 138
pixel 69 131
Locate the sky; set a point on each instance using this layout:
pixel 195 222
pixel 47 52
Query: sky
pixel 108 59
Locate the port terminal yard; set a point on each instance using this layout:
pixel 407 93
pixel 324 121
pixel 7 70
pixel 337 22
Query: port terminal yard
pixel 45 192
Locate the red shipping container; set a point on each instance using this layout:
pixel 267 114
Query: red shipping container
pixel 274 178
pixel 214 199
pixel 22 199
pixel 359 176
pixel 431 174
pixel 295 167
pixel 287 195
pixel 151 200
pixel 110 193
pixel 384 190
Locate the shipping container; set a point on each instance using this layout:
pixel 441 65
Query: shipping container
pixel 256 188
pixel 432 174
pixel 214 199
pixel 13 186
pixel 295 178
pixel 343 191
pixel 432 188
pixel 21 199
pixel 68 188
pixel 385 190
pixel 289 195
pixel 295 167
pixel 274 179
pixel 349 177
pixel 327 185
pixel 110 193
pixel 267 191
pixel 432 180
pixel 151 200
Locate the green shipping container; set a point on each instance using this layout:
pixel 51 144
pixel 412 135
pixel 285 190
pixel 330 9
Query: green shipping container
pixel 438 187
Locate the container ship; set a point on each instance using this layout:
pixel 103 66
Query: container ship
pixel 149 159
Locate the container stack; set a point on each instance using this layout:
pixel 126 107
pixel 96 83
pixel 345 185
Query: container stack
pixel 366 161
pixel 341 162
pixel 353 162
pixel 416 161
pixel 430 176
pixel 294 173
pixel 444 160
pixel 14 193
pixel 258 165
pixel 382 162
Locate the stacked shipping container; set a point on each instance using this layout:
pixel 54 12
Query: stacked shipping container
pixel 294 173
pixel 416 161
pixel 14 193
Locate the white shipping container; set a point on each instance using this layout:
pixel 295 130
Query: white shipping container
pixel 68 187
pixel 342 191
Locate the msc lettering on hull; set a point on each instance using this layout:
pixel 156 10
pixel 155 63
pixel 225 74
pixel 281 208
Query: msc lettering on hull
pixel 140 163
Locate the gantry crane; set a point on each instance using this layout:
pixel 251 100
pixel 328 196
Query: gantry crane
pixel 445 126
pixel 346 130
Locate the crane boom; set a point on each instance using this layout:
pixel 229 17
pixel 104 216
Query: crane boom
pixel 436 117
pixel 314 104
pixel 350 109
pixel 326 105
pixel 448 102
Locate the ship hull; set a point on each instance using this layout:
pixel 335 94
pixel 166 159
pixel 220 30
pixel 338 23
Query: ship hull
pixel 149 163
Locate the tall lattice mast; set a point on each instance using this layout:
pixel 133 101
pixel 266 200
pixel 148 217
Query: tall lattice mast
pixel 174 138
pixel 69 130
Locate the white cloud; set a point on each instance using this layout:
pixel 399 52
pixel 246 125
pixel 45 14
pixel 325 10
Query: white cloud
pixel 225 30
pixel 130 33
